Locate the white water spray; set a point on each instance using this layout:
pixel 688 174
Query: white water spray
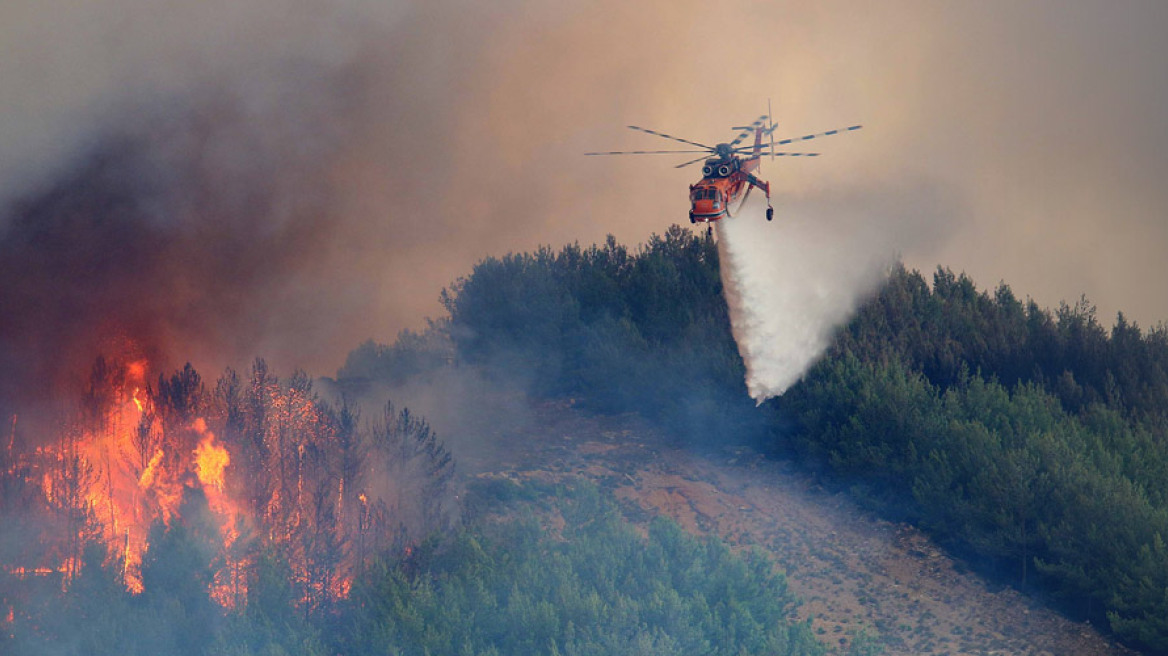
pixel 788 285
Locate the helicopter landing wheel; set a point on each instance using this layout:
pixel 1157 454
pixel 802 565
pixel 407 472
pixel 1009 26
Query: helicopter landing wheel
pixel 709 230
pixel 770 213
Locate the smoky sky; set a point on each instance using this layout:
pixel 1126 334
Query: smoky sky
pixel 222 180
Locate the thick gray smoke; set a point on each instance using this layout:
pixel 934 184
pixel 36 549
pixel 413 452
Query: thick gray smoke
pixel 181 236
pixel 791 283
pixel 214 181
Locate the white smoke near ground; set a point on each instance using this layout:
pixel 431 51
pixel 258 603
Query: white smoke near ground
pixel 791 283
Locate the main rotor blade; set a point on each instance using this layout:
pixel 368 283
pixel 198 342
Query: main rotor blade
pixel 747 130
pixel 749 150
pixel 649 152
pixel 670 136
pixel 829 133
pixel 769 153
pixel 692 161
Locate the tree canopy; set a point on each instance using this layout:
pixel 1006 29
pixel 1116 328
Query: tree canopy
pixel 1031 440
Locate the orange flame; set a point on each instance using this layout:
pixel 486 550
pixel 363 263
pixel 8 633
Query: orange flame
pixel 210 458
pixel 146 480
pixel 134 456
pixel 211 461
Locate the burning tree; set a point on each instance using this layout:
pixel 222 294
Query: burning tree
pixel 255 467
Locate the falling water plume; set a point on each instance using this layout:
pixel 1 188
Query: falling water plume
pixel 788 285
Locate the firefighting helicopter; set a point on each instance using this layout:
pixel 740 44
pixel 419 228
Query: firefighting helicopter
pixel 728 175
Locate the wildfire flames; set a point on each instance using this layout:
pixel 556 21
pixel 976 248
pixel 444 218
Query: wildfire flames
pixel 265 464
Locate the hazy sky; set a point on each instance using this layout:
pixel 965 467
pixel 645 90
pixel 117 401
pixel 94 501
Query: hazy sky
pixel 1016 141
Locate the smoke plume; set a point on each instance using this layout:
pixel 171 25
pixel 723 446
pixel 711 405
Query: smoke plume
pixel 339 163
pixel 181 236
pixel 213 181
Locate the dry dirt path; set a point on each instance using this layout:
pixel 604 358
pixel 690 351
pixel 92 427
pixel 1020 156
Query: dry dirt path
pixel 852 571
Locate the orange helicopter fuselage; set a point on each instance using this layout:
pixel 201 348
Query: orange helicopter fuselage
pixel 722 189
pixel 726 180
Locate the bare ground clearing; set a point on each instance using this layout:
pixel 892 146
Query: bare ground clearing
pixel 853 571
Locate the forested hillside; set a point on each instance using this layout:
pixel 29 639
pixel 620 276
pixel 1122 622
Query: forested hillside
pixel 620 330
pixel 1034 442
pixel 505 583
